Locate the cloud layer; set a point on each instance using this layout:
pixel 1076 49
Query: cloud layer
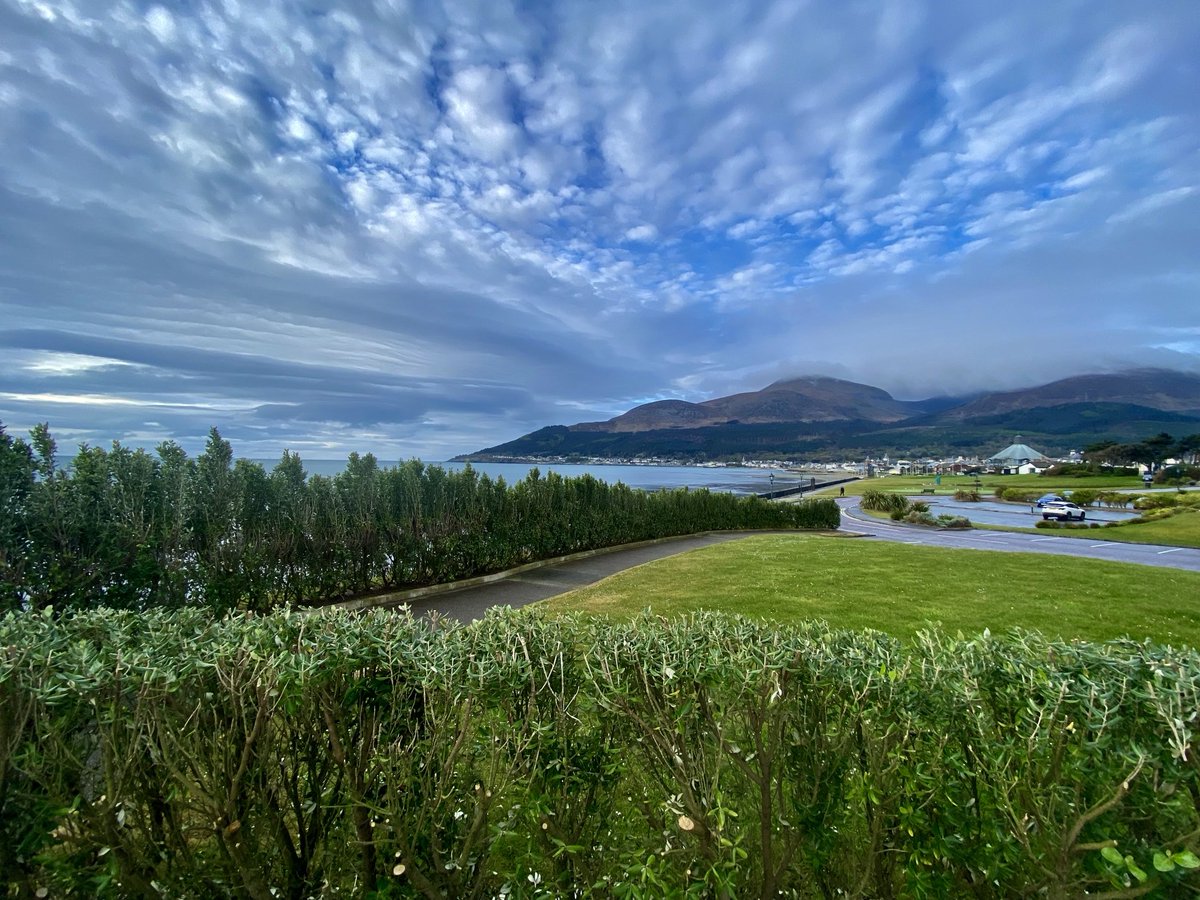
pixel 419 229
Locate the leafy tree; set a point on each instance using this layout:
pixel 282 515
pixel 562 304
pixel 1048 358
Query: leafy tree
pixel 212 522
pixel 18 469
pixel 1189 448
pixel 1158 448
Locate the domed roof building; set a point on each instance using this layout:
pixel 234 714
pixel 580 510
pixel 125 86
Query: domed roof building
pixel 1018 458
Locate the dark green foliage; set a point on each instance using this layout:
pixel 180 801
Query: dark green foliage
pixel 17 471
pixel 1087 469
pixel 168 755
pixel 125 529
pixel 1177 475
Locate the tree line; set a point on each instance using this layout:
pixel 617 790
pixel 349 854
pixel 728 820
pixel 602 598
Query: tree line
pixel 1151 452
pixel 127 529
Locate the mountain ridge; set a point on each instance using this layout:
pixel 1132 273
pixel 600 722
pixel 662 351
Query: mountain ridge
pixel 818 414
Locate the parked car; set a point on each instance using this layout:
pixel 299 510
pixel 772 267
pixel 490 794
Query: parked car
pixel 1049 498
pixel 1063 510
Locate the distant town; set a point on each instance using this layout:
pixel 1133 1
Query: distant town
pixel 1015 459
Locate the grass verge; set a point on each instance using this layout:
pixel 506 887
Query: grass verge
pixel 901 589
pixel 1179 530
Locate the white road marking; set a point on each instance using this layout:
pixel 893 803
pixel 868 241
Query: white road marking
pixel 1041 540
pixel 1173 550
pixel 1106 544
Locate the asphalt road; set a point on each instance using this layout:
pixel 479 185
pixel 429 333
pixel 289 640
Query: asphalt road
pixel 855 521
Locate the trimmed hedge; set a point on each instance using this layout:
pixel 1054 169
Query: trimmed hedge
pixel 122 528
pixel 168 755
pixel 1018 495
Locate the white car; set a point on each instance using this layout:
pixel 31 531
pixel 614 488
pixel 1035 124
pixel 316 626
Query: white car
pixel 1063 510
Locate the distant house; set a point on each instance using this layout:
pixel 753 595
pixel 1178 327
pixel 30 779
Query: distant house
pixel 1019 459
pixel 958 466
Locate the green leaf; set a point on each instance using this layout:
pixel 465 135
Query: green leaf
pixel 1162 862
pixel 1111 854
pixel 1186 858
pixel 1137 873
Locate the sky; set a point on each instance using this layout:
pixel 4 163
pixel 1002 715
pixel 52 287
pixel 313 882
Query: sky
pixel 421 229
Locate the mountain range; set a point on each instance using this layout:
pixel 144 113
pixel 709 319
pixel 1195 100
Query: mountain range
pixel 817 417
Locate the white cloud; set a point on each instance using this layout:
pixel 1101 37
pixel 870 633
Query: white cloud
pixel 161 24
pixel 69 363
pixel 1150 204
pixel 598 204
pixel 479 109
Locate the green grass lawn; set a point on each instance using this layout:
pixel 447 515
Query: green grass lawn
pixel 900 589
pixel 1179 530
pixel 912 484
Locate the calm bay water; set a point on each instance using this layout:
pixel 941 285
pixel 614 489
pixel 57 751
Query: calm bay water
pixel 731 479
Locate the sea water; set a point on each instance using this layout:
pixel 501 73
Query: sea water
pixel 730 479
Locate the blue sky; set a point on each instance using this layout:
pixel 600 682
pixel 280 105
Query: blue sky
pixel 421 229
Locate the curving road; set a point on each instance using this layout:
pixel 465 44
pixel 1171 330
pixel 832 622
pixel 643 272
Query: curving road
pixel 855 521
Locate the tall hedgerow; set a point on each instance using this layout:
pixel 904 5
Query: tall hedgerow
pixel 133 530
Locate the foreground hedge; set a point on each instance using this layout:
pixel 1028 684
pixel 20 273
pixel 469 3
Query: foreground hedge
pixel 165 755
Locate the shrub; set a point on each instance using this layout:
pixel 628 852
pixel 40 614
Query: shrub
pixel 1019 495
pixel 163 754
pixel 1084 497
pixel 884 501
pixel 966 496
pixel 1177 475
pixel 950 521
pixel 1084 469
pixel 1156 501
pixel 1048 523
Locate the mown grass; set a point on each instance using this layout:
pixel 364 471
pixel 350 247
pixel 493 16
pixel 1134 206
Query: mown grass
pixel 1179 530
pixel 914 483
pixel 901 589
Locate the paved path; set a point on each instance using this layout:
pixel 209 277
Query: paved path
pixel 855 521
pixel 471 603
